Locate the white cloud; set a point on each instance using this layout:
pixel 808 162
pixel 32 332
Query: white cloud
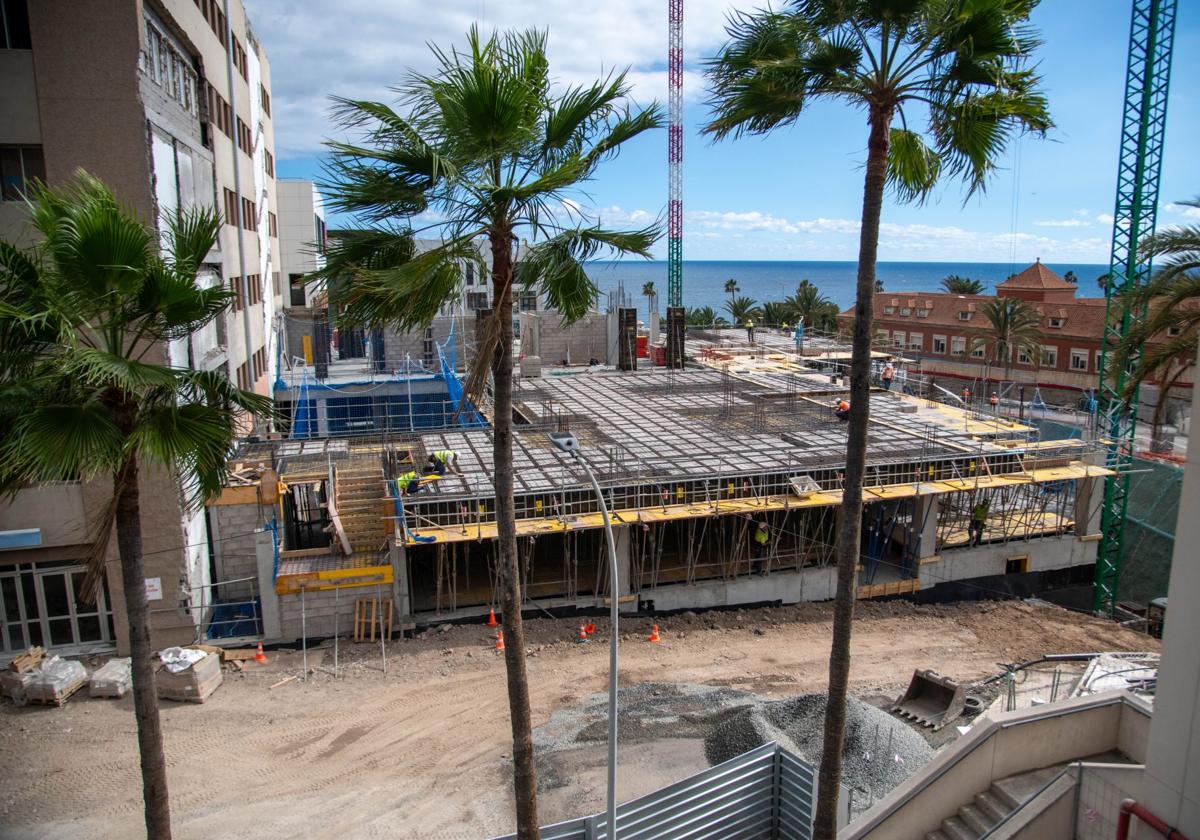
pixel 1104 218
pixel 1063 223
pixel 1184 210
pixel 362 47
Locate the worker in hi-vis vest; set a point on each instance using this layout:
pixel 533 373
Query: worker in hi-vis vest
pixel 444 459
pixel 762 536
pixel 409 483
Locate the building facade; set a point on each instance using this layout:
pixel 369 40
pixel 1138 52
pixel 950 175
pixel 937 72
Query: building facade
pixel 941 333
pixel 169 103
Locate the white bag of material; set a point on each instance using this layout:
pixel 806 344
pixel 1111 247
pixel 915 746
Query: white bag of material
pixel 114 679
pixel 176 659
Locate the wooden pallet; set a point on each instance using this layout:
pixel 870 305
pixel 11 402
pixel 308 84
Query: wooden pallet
pixel 26 661
pixel 367 614
pixel 59 697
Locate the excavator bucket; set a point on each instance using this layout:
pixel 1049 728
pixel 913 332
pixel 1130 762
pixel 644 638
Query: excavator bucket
pixel 931 700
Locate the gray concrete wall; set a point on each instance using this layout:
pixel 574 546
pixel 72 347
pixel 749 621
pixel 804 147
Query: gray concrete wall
pixel 788 587
pixel 1045 553
pixel 19 121
pixel 398 345
pixel 235 547
pixel 543 334
pixel 318 611
pixel 1173 758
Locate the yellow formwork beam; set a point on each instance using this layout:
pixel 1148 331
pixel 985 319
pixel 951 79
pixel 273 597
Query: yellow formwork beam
pixel 749 507
pixel 333 579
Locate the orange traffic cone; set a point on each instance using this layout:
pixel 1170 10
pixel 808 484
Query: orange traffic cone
pixel 259 656
pixel 492 619
pixel 589 628
pixel 654 634
pixel 499 640
pixel 583 636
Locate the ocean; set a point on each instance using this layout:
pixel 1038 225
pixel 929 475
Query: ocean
pixel 704 281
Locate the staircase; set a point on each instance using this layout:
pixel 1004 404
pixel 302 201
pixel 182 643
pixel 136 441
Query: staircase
pixel 361 497
pixel 975 819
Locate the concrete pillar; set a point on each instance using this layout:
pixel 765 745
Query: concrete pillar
pixel 1089 497
pixel 322 417
pixel 264 552
pixel 400 594
pixel 926 525
pixel 652 327
pixel 622 543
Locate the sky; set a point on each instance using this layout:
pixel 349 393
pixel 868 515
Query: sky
pixel 792 195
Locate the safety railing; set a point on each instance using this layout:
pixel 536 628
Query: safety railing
pixel 764 793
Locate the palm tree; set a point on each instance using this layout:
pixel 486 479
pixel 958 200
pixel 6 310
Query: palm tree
pixel 1071 277
pixel 732 288
pixel 956 285
pixel 807 305
pixel 1013 326
pixel 774 313
pixel 490 150
pixel 81 316
pixel 961 66
pixel 649 293
pixel 703 316
pixel 743 309
pixel 1162 345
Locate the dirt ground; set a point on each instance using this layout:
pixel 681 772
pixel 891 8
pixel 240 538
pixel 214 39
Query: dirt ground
pixel 422 751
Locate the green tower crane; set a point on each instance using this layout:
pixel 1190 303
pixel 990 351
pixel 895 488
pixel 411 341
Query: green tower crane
pixel 1143 124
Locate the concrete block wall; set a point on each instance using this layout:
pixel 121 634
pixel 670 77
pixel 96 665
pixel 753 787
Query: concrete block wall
pixel 544 335
pixel 399 345
pixel 1045 553
pixel 235 547
pixel 788 587
pixel 315 618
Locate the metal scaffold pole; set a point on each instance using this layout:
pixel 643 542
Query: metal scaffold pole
pixel 1143 125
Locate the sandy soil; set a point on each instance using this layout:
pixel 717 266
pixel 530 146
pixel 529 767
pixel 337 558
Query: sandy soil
pixel 422 751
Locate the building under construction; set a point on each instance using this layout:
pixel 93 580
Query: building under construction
pixel 692 463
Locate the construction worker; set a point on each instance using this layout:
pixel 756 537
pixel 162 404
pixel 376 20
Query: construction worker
pixel 749 331
pixel 762 536
pixel 889 373
pixel 842 410
pixel 409 483
pixel 994 399
pixel 966 395
pixel 978 520
pixel 442 460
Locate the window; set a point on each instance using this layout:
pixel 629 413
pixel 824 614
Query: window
pixel 265 98
pixel 296 289
pixel 527 302
pixel 269 163
pixel 231 207
pixel 245 138
pixel 958 346
pixel 258 364
pixel 1049 357
pixel 922 313
pixel 905 311
pixel 1023 356
pixel 15 25
pixel 1174 332
pixel 212 13
pixel 939 344
pixel 272 227
pixel 239 58
pixel 469 273
pixel 897 339
pixel 170 67
pixel 977 351
pixel 235 286
pixel 1056 323
pixel 19 165
pixel 249 215
pixel 477 300
pixel 1079 359
pixel 243 376
pixel 916 341
pixel 254 281
pixel 319 225
pixel 964 316
pixel 889 310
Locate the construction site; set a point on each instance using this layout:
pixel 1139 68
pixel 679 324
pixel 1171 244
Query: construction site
pixel 694 463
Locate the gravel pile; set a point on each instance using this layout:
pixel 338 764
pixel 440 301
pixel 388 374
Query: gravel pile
pixel 879 751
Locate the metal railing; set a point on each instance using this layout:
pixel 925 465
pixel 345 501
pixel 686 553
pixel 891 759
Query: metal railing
pixel 764 793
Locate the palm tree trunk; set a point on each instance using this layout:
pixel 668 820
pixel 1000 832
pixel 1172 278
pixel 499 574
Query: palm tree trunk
pixel 524 774
pixel 145 696
pixel 849 533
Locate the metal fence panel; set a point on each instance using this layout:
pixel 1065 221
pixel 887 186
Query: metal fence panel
pixel 763 794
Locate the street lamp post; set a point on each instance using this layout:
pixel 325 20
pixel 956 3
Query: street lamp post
pixel 568 443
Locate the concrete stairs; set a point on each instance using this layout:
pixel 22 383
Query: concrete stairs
pixel 989 808
pixel 361 498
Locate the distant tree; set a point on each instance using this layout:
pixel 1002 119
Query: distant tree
pixel 774 313
pixel 732 288
pixel 807 305
pixel 1071 277
pixel 1012 326
pixel 742 309
pixel 703 316
pixel 878 285
pixel 649 293
pixel 956 285
pixel 1102 282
